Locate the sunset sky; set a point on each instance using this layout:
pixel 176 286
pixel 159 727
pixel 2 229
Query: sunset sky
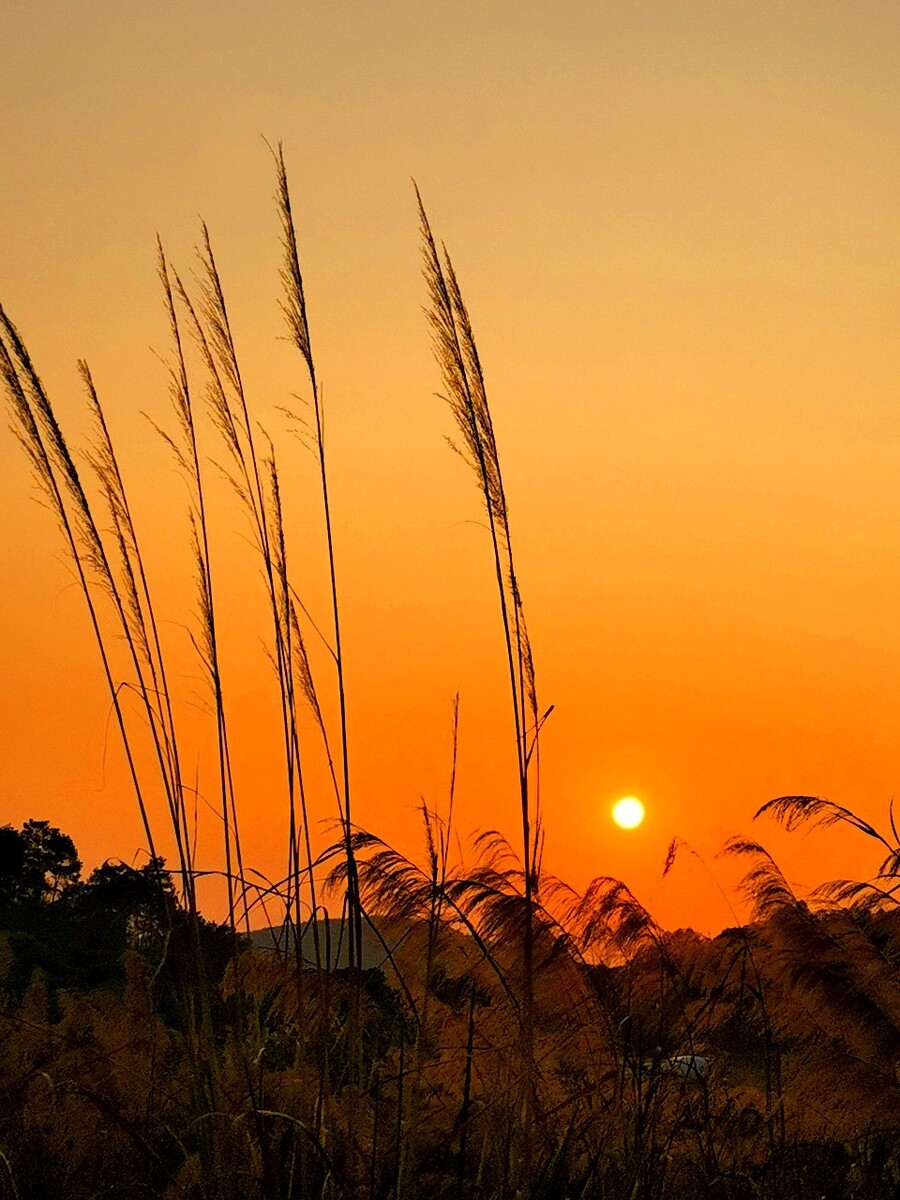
pixel 675 226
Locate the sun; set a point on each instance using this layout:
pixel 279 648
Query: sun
pixel 628 812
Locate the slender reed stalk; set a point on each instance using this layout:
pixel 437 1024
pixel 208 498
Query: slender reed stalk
pixel 49 452
pixel 210 328
pixel 139 623
pixel 466 395
pixel 188 457
pixel 77 533
pixel 294 308
pixel 302 680
pixel 438 836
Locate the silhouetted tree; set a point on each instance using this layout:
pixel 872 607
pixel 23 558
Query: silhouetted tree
pixel 132 905
pixel 37 863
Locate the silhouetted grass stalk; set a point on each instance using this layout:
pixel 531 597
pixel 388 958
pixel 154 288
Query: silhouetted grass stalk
pixel 136 613
pixel 457 355
pixel 49 453
pixel 79 531
pixel 437 845
pixel 208 647
pixel 294 307
pixel 211 328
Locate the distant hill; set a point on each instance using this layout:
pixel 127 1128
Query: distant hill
pixel 333 941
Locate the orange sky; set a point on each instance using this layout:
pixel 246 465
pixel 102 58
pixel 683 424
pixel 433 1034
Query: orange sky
pixel 675 227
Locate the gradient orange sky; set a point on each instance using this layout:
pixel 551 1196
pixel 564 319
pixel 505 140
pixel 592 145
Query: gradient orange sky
pixel 675 225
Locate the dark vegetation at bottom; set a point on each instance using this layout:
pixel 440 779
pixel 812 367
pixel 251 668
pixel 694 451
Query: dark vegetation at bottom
pixel 123 1074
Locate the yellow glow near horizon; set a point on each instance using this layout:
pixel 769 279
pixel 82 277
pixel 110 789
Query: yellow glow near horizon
pixel 629 812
